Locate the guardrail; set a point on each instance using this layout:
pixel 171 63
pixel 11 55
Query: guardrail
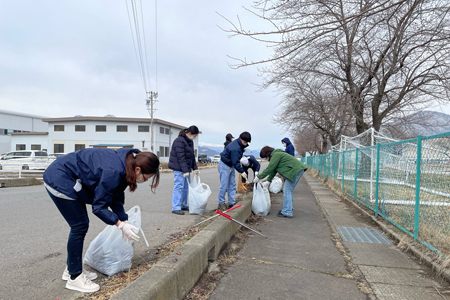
pixel 406 182
pixel 19 170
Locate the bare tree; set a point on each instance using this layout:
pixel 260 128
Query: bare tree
pixel 388 55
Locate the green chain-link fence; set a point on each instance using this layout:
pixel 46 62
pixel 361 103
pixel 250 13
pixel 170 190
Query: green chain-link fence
pixel 405 182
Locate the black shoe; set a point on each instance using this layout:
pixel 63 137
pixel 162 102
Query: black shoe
pixel 231 205
pixel 178 212
pixel 282 215
pixel 222 207
pixel 185 207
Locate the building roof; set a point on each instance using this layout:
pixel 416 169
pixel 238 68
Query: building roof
pixel 20 114
pixel 28 133
pixel 112 119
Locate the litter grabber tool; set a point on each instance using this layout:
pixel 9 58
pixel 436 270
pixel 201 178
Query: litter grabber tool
pixel 239 222
pixel 215 216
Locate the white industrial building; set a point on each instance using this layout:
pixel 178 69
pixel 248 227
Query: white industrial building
pixel 64 135
pixel 13 122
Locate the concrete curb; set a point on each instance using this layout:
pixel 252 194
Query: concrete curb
pixel 429 260
pixel 174 276
pixel 16 182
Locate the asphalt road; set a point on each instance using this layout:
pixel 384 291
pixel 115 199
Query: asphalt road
pixel 33 234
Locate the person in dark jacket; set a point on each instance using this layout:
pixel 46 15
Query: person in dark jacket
pixel 182 161
pixel 228 139
pixel 230 161
pixel 249 162
pixel 287 166
pixel 289 147
pixel 99 177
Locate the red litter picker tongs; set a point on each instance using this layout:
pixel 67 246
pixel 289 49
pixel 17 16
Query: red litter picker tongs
pixel 239 222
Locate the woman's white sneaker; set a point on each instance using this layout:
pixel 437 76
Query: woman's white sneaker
pixel 82 284
pixel 90 275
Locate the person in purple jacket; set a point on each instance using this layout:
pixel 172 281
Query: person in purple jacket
pixel 98 177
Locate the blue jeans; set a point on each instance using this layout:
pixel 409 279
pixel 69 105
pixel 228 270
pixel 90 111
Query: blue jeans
pixel 227 183
pixel 180 191
pixel 288 197
pixel 76 216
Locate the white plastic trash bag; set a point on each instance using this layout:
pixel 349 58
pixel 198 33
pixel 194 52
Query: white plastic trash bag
pixel 108 253
pixel 261 200
pixel 198 196
pixel 276 185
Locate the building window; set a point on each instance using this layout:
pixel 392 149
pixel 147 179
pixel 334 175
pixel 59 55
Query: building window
pixel 100 128
pixel 79 147
pixel 20 147
pixel 164 130
pixel 166 150
pixel 161 130
pixel 122 128
pixel 58 128
pixel 161 151
pixel 58 148
pixel 167 131
pixel 143 128
pixel 80 127
pixel 35 147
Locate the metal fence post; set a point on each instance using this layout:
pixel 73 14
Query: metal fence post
pixel 343 169
pixel 417 208
pixel 377 179
pixel 356 171
pixel 334 167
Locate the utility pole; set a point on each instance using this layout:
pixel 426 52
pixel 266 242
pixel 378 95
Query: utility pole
pixel 151 99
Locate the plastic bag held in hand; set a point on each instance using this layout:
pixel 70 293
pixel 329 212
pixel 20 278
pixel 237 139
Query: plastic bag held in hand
pixel 261 200
pixel 129 232
pixel 108 253
pixel 198 196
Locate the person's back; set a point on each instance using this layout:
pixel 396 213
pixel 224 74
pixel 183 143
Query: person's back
pixel 289 147
pixel 228 139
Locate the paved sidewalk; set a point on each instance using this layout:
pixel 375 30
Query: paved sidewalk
pixel 305 257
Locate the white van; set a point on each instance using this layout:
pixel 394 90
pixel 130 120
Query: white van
pixel 25 159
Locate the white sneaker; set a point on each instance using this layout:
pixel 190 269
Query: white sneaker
pixel 82 284
pixel 90 275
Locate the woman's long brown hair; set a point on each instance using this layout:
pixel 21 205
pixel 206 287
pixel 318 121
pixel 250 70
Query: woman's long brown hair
pixel 149 164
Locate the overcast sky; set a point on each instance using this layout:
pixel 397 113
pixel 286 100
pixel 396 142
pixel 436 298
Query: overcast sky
pixel 67 58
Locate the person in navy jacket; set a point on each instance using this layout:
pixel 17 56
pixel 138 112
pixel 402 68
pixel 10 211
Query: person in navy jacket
pixel 99 177
pixel 182 161
pixel 230 161
pixel 289 147
pixel 249 162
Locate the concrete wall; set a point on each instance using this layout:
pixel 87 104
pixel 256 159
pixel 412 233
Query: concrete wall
pixel 5 143
pixel 23 122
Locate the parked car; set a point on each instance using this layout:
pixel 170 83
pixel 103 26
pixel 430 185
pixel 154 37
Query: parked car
pixel 202 158
pixel 25 159
pixel 216 158
pixel 53 156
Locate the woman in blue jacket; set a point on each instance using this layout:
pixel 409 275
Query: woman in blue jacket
pixel 182 161
pixel 99 177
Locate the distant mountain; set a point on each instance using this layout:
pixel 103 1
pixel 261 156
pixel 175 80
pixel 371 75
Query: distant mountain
pixel 207 150
pixel 211 151
pixel 423 123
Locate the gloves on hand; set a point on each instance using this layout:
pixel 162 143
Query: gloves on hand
pixel 244 176
pixel 256 179
pixel 265 184
pixel 256 173
pixel 197 172
pixel 129 232
pixel 185 175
